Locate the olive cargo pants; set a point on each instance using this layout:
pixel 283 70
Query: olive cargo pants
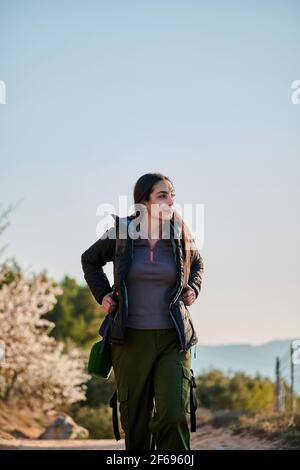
pixel 153 383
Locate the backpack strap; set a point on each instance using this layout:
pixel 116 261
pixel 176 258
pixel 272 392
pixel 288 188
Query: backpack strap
pixel 193 401
pixel 153 443
pixel 113 403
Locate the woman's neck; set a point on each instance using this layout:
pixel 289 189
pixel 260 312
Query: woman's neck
pixel 152 228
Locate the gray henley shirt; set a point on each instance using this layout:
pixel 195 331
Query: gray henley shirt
pixel 150 280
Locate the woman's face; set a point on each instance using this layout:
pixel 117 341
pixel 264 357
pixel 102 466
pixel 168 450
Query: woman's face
pixel 161 202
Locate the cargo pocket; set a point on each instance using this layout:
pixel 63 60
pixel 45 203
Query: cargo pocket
pixel 185 390
pixel 123 400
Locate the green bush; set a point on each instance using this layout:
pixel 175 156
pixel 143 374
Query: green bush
pixel 239 391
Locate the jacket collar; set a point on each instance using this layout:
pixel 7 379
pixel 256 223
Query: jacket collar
pixel 174 229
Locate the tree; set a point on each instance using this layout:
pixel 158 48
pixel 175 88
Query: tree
pixel 36 366
pixel 76 314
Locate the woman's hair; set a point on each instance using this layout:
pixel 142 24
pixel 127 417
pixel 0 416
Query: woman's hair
pixel 141 194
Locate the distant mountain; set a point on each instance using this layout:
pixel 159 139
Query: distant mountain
pixel 243 357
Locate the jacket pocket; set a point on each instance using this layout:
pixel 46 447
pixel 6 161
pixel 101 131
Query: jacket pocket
pixel 190 332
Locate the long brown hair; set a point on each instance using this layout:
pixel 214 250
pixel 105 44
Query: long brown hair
pixel 141 194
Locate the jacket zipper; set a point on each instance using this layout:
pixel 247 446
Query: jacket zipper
pixel 176 326
pixel 172 301
pixel 124 283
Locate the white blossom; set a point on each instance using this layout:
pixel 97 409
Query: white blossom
pixel 36 366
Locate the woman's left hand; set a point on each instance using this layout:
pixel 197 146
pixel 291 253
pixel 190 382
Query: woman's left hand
pixel 189 296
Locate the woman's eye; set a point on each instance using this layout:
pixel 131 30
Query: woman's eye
pixel 164 195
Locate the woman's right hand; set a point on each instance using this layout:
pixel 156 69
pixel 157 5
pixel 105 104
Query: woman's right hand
pixel 108 303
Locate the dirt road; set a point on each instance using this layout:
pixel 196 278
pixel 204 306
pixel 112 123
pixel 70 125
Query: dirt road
pixel 206 438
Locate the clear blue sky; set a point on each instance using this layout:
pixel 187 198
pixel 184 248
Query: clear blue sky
pixel 100 92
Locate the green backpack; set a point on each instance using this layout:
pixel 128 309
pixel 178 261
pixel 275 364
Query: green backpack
pixel 100 363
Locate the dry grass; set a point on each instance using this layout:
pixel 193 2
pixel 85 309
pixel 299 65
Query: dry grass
pixel 271 426
pixel 277 425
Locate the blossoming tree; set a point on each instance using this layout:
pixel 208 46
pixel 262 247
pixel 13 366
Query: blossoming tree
pixel 36 368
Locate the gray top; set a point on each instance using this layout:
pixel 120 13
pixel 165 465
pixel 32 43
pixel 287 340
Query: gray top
pixel 150 280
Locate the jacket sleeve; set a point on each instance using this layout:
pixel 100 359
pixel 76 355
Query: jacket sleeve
pixel 93 260
pixel 196 271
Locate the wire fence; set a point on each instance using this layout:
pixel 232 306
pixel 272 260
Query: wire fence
pixel 287 373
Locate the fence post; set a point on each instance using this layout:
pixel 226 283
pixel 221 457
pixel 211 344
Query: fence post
pixel 293 398
pixel 279 401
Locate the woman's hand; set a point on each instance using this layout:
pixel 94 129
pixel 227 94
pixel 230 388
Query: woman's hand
pixel 189 296
pixel 108 303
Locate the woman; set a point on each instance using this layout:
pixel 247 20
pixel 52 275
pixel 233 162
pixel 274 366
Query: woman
pixel 158 273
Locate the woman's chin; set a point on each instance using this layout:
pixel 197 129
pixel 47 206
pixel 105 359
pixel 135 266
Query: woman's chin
pixel 167 215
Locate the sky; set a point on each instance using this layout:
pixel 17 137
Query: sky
pixel 99 93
